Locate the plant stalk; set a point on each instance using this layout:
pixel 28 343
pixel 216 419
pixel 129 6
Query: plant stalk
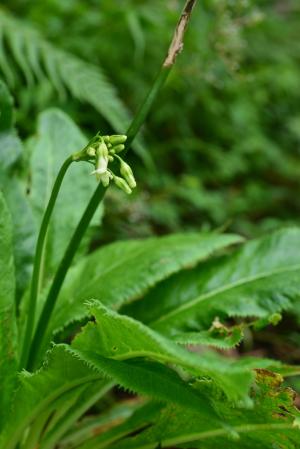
pixel 174 49
pixel 142 113
pixel 60 275
pixel 37 265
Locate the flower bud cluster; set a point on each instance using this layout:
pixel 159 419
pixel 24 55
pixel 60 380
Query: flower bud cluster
pixel 101 151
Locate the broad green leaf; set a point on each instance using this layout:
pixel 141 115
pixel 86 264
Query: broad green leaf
pixel 24 227
pixel 150 379
pixel 57 138
pixel 124 271
pixel 24 231
pixel 140 376
pixel 257 280
pixel 8 331
pixel 14 190
pixel 121 338
pixel 10 151
pixel 61 374
pixel 269 424
pixel 66 372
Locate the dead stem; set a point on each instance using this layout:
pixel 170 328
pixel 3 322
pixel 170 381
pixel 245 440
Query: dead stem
pixel 177 41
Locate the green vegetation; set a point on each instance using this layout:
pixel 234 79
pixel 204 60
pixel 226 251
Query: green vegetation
pixel 155 304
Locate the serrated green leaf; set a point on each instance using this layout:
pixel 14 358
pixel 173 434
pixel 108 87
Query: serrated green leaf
pixel 121 338
pixel 8 330
pixel 269 424
pixel 261 278
pixel 150 379
pixel 124 271
pixel 222 339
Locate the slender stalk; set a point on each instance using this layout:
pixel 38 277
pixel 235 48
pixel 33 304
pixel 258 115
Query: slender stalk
pixel 10 439
pixel 37 265
pixel 60 275
pixel 34 434
pixel 174 49
pixel 142 113
pixel 90 396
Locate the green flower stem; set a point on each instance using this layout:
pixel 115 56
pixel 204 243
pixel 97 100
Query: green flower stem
pixel 40 333
pixel 37 265
pixel 174 49
pixel 142 113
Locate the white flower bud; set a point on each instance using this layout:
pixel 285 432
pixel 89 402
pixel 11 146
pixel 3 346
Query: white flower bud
pixel 91 151
pixel 117 139
pixel 118 148
pixel 126 172
pixel 122 184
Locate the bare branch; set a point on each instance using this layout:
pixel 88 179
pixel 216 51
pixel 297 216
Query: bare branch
pixel 177 41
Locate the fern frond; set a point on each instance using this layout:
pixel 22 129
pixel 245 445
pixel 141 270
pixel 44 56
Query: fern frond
pixel 37 59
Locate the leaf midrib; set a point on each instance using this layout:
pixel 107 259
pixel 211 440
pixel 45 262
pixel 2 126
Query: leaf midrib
pixel 200 298
pixel 217 433
pixel 136 254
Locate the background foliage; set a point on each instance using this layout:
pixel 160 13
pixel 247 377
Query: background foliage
pixel 220 150
pixel 224 137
